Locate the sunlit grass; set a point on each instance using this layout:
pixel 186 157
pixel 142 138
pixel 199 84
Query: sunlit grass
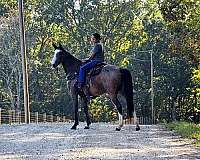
pixel 188 130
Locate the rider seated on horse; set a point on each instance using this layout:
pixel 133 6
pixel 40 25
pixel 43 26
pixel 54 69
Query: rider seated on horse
pixel 96 57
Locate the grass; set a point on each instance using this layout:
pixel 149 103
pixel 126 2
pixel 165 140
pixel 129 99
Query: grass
pixel 187 130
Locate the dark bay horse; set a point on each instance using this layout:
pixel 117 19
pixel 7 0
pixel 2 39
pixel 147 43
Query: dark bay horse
pixel 112 81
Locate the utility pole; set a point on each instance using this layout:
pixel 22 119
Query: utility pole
pixel 24 62
pixel 152 89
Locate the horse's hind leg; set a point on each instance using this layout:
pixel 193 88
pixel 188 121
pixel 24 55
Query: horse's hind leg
pixel 136 121
pixel 119 109
pixel 85 106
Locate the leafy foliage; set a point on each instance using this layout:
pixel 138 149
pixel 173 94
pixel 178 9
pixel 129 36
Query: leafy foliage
pixel 188 130
pixel 130 31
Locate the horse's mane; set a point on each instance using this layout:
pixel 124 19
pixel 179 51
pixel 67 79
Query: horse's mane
pixel 71 64
pixel 70 56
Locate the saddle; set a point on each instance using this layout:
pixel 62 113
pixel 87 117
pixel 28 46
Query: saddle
pixel 95 70
pixel 89 74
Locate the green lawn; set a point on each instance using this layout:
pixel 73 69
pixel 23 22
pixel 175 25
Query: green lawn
pixel 188 130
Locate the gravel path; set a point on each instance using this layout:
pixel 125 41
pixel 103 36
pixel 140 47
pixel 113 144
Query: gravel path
pixel 57 141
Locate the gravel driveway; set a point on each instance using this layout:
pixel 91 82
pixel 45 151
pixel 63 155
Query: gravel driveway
pixel 56 141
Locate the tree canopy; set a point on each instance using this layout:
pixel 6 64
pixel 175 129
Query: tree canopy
pixel 130 31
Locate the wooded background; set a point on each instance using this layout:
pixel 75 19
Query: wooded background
pixel 129 29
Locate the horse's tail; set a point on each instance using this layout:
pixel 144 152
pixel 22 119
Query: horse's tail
pixel 127 90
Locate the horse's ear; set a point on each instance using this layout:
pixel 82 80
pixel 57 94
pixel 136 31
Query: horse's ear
pixel 54 46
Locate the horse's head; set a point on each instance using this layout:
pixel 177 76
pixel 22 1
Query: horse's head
pixel 58 55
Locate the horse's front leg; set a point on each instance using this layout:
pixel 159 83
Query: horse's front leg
pixel 85 106
pixel 75 105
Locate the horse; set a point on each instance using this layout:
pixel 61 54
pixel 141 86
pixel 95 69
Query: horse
pixel 111 80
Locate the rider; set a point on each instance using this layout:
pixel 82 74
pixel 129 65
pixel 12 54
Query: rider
pixel 96 56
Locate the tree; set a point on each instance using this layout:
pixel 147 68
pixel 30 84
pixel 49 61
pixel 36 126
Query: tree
pixel 129 30
pixel 10 68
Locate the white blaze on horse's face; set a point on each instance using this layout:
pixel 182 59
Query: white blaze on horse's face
pixel 53 61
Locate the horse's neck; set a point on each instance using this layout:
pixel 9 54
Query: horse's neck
pixel 71 66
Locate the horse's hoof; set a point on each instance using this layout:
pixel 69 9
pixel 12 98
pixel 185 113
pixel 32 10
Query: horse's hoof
pixel 87 127
pixel 118 129
pixel 73 127
pixel 137 128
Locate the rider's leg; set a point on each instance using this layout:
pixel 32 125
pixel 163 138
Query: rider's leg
pixel 82 72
